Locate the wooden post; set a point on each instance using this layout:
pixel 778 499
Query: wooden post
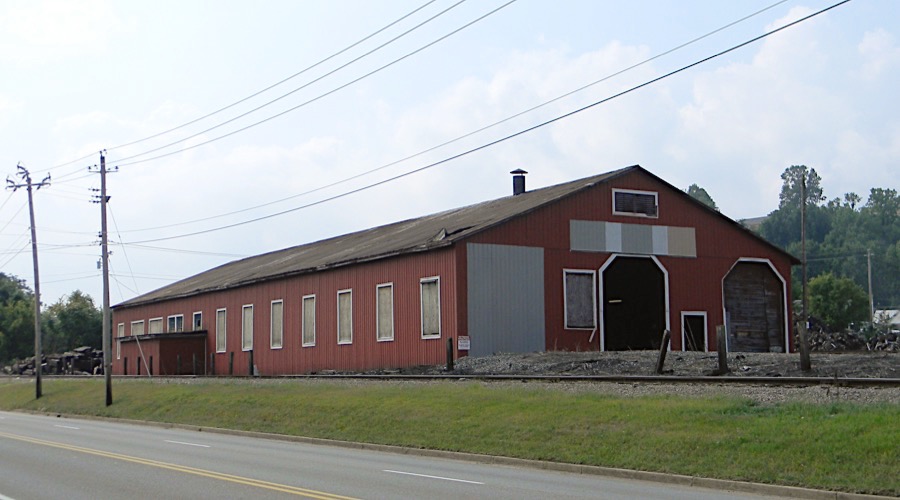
pixel 251 362
pixel 663 347
pixel 194 364
pixel 212 363
pixel 450 354
pixel 231 363
pixel 722 349
pixel 178 364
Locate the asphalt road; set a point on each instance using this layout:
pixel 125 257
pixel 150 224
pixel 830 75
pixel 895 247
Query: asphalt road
pixel 46 457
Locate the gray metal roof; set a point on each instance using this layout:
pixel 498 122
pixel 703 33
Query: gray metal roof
pixel 413 235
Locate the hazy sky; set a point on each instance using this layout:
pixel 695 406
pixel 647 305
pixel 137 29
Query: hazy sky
pixel 80 76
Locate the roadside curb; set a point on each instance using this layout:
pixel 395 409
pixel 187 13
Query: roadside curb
pixel 656 477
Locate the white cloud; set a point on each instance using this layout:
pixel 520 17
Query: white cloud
pixel 49 30
pixel 880 53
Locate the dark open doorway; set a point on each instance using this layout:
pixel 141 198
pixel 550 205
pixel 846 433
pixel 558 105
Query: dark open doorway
pixel 634 304
pixel 693 325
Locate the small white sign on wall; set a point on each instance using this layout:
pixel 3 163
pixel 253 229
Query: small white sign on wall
pixel 462 343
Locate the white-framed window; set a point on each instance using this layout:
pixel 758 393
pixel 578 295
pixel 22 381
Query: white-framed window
pixel 221 324
pixel 137 328
pixel 247 327
pixel 155 325
pixel 276 324
pixel 197 321
pixel 384 312
pixel 579 292
pixel 176 323
pixel 308 325
pixel 430 296
pixel 345 317
pixel 120 332
pixel 635 203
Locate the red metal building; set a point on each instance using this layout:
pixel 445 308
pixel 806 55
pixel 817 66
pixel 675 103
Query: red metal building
pixel 603 263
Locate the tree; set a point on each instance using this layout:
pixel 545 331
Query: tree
pixel 790 188
pixel 16 319
pixel 73 321
pixel 837 301
pixel 700 194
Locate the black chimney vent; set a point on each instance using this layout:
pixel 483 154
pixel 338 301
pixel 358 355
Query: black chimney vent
pixel 518 181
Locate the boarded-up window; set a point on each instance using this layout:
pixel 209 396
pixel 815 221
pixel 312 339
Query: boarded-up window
pixel 120 332
pixel 385 311
pixel 220 330
pixel 345 317
pixel 580 303
pixel 276 325
pixel 431 307
pixel 247 328
pixel 309 321
pixel 176 323
pixel 155 326
pixel 641 203
pixel 137 328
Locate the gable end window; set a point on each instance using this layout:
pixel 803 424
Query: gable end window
pixel 635 203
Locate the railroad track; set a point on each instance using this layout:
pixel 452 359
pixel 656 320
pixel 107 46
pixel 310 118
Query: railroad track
pixel 654 379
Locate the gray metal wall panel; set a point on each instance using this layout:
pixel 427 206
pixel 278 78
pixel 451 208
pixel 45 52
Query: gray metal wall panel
pixel 587 236
pixel 637 239
pixel 505 298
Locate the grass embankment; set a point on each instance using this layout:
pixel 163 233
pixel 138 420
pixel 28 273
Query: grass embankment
pixel 832 446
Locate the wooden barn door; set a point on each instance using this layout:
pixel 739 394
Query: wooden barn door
pixel 754 308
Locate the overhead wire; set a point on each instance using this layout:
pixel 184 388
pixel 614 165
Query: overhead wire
pixel 507 137
pixel 469 134
pixel 123 161
pixel 270 87
pixel 127 260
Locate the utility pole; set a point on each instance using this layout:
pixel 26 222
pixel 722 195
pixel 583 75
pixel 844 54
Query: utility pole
pixel 804 323
pixel 871 297
pixel 38 355
pixel 107 336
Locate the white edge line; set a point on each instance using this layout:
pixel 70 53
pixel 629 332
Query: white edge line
pixel 4 497
pixel 431 477
pixel 67 427
pixel 188 444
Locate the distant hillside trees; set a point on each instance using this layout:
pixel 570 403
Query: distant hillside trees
pixel 839 232
pixel 700 194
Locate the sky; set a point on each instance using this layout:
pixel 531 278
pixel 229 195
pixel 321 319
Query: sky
pixel 354 93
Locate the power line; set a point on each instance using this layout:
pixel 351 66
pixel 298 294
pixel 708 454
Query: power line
pixel 469 134
pixel 270 87
pixel 120 163
pixel 505 138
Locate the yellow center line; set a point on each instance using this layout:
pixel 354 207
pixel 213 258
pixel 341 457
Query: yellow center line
pixel 183 468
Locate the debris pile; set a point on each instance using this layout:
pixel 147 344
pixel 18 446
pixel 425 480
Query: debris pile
pixel 852 341
pixel 81 361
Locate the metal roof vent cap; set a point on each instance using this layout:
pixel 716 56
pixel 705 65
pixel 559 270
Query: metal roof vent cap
pixel 518 181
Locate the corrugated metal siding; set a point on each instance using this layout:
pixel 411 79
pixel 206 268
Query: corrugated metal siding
pixel 407 349
pixel 505 299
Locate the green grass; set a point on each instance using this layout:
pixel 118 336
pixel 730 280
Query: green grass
pixel 843 447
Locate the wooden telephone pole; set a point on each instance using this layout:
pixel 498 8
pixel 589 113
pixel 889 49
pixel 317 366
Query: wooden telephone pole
pixel 107 335
pixel 38 355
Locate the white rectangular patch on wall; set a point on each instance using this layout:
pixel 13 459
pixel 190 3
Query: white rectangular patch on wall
pixel 462 343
